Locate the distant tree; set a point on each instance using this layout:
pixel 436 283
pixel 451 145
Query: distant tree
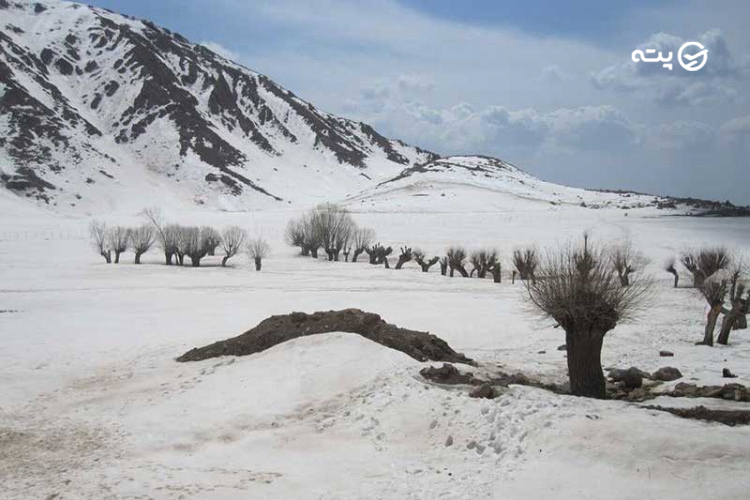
pixel 714 290
pixel 181 242
pixel 526 262
pixel 405 256
pixel 626 260
pixel 482 262
pixel 705 262
pixel 424 263
pixel 333 225
pixel 142 239
pixel 379 254
pixel 444 266
pixel 195 244
pixel 669 267
pixel 456 260
pixel 232 240
pixel 296 237
pixel 98 233
pixel 497 272
pixel 363 237
pixel 166 236
pixel 211 239
pixel 258 249
pixel 736 317
pixel 581 291
pixel 118 239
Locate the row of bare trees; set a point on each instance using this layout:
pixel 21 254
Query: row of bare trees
pixel 332 228
pixel 175 241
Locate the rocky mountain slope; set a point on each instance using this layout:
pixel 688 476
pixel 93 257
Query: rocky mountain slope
pixel 93 104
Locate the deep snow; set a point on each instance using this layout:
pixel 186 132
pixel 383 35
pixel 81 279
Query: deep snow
pixel 93 404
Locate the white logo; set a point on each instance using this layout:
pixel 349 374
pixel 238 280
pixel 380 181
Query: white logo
pixel 692 63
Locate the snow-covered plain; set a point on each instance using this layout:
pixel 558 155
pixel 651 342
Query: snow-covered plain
pixel 93 405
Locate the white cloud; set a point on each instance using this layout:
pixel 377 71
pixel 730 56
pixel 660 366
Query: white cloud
pixel 713 84
pixel 222 51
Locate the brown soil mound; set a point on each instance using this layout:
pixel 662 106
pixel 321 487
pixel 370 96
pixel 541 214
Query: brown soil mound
pixel 726 417
pixel 421 346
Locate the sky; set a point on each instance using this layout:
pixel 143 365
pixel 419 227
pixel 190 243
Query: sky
pixel 549 86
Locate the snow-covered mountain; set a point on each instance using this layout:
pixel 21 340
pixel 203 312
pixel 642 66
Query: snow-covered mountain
pixel 101 111
pixel 481 182
pixel 97 108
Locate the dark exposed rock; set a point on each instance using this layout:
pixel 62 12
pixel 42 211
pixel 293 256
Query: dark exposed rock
pixel 735 392
pixel 666 354
pixel 421 346
pixel 666 374
pixel 46 55
pixel 562 347
pixel 448 374
pixel 91 66
pixel 39 8
pixel 484 391
pixel 64 67
pixel 727 374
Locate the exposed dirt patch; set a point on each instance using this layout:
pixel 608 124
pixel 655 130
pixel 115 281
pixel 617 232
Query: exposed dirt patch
pixel 726 417
pixel 421 346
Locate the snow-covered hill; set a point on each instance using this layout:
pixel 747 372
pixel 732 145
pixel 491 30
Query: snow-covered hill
pixel 481 182
pixel 97 109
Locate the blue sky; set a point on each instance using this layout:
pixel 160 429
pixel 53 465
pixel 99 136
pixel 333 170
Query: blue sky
pixel 548 85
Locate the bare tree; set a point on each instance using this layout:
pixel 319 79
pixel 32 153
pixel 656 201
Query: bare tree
pixel 526 261
pixel 181 242
pixel 332 226
pixel 444 266
pixel 363 237
pixel 379 254
pixel 736 317
pixel 482 262
pixel 196 243
pixel 142 239
pixel 406 256
pixel 705 262
pixel 581 291
pixel 211 239
pixel 296 237
pixel 232 239
pixel 456 260
pixel 98 233
pixel 258 249
pixel 166 236
pixel 419 257
pixel 714 290
pixel 669 267
pixel 118 239
pixel 626 260
pixel 497 272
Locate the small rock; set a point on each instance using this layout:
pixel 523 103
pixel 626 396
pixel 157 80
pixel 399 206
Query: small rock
pixel 541 352
pixel 632 378
pixel 433 424
pixel 449 441
pixel 480 449
pixel 485 391
pixel 666 374
pixel 666 354
pixel 562 347
pixel 727 374
pixel 471 445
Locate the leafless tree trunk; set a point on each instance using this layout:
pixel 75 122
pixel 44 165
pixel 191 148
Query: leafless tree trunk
pixel 526 262
pixel 232 240
pixel 419 257
pixel 714 291
pixel 258 249
pixel 702 264
pixel 141 239
pixel 118 239
pixel 406 256
pixel 99 240
pixel 444 266
pixel 582 293
pixel 669 267
pixel 456 259
pixel 497 272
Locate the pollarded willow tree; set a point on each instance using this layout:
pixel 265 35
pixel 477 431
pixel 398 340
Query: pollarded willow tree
pixel 118 239
pixel 333 226
pixel 142 239
pixel 362 239
pixel 232 239
pixel 98 234
pixel 423 261
pixel 627 260
pixel 526 261
pixel 669 267
pixel 258 249
pixel 457 260
pixel 579 289
pixel 736 317
pixel 703 263
pixel 483 261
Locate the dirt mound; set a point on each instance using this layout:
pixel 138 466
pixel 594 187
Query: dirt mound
pixel 726 417
pixel 421 346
